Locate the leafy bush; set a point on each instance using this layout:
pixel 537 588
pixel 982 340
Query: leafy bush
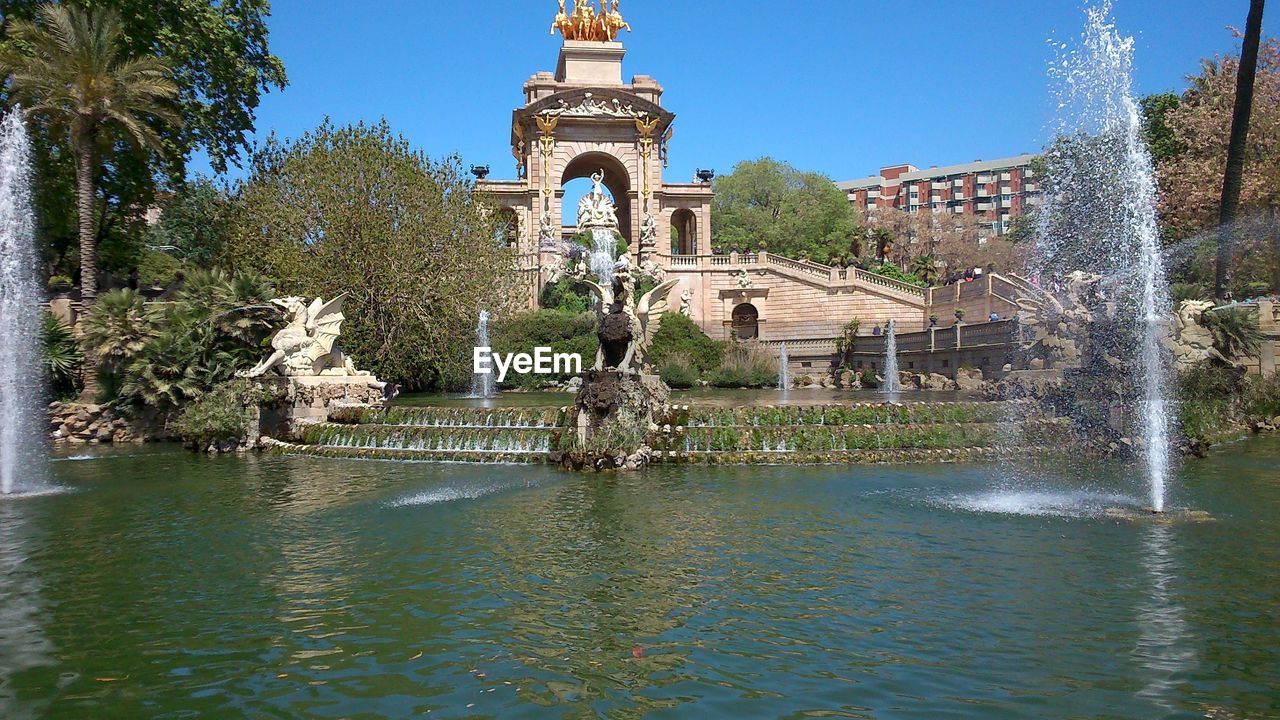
pixel 222 415
pixel 1180 291
pixel 1235 331
pixel 746 366
pixel 678 371
pixel 566 295
pixel 59 283
pixel 1207 398
pixel 868 379
pixel 680 336
pixel 157 269
pixel 1262 396
pixel 60 356
pixel 162 355
pixel 891 270
pixel 563 332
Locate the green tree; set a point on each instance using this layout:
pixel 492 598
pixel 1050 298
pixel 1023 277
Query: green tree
pixel 769 205
pixel 70 69
pixel 221 65
pixel 192 225
pixel 356 209
pixel 1161 139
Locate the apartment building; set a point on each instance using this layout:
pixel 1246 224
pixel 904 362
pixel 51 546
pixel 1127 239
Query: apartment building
pixel 996 191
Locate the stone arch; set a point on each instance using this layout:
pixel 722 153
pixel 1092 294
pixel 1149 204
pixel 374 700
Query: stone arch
pixel 746 322
pixel 684 232
pixel 506 232
pixel 617 178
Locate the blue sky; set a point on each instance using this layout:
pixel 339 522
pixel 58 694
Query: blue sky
pixel 842 87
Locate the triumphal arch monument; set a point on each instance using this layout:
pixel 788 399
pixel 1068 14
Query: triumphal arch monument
pixel 583 120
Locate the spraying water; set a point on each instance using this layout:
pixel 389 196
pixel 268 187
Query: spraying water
pixel 482 383
pixel 21 382
pixel 892 386
pixel 601 259
pixel 784 368
pixel 1099 217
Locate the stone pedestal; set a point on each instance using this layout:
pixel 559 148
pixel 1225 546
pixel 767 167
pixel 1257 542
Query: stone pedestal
pixel 310 399
pixel 584 62
pixel 614 412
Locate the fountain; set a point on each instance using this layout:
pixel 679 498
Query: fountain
pixel 596 214
pixel 482 383
pixel 891 386
pixel 784 368
pixel 21 383
pixel 1099 217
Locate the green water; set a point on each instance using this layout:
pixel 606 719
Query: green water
pixel 167 585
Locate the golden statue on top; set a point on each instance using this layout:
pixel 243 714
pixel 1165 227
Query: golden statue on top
pixel 587 23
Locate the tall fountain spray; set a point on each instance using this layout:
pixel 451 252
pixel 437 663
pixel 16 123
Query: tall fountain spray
pixel 891 386
pixel 597 214
pixel 21 382
pixel 482 383
pixel 1099 217
pixel 784 368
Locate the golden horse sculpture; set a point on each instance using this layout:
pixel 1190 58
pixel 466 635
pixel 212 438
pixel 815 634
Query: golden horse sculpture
pixel 587 23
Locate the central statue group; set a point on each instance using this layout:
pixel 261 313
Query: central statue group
pixel 586 23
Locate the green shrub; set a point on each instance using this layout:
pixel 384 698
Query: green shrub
pixel 222 415
pixel 1262 396
pixel 59 283
pixel 566 295
pixel 1181 291
pixel 60 356
pixel 1235 331
pixel 157 269
pixel 678 371
pixel 1208 395
pixel 162 355
pixel 868 378
pixel 680 336
pixel 891 270
pixel 563 332
pixel 746 366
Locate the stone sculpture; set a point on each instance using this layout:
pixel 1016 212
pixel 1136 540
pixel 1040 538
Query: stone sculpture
pixel 306 346
pixel 627 326
pixel 1192 342
pixel 586 23
pixel 595 210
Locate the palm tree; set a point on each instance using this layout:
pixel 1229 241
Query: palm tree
pixel 67 68
pixel 1233 176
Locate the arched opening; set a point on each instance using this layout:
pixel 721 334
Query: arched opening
pixel 506 231
pixel 684 232
pixel 575 182
pixel 746 322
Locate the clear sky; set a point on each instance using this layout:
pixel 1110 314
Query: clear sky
pixel 842 87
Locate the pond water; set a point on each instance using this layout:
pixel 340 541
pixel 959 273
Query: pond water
pixel 162 584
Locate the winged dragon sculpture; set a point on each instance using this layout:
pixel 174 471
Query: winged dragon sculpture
pixel 307 344
pixel 627 326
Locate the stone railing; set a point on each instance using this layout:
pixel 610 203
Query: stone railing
pixel 1002 332
pixel 832 275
